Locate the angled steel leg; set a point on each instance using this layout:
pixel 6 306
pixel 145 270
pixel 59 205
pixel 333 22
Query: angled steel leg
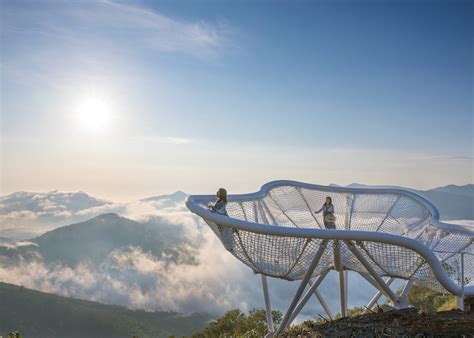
pixel 374 283
pixel 379 293
pixel 304 282
pixel 268 308
pixel 403 298
pixel 372 272
pixel 324 304
pixel 307 295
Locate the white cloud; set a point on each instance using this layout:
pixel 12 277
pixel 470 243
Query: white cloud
pixel 114 26
pixel 462 222
pixel 176 140
pixel 19 244
pixel 138 279
pixel 214 282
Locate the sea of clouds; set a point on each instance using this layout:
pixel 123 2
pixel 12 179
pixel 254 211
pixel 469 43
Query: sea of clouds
pixel 216 282
pixel 213 282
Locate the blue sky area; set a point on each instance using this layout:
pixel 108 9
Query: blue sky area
pixel 196 89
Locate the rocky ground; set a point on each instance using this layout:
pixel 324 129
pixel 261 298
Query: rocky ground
pixel 394 323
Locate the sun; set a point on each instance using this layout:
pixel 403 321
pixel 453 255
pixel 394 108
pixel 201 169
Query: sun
pixel 94 113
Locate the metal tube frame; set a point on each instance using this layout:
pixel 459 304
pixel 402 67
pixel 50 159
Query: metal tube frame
pixel 307 296
pixel 268 308
pixel 342 294
pixel 403 297
pixel 302 286
pixel 372 272
pixel 379 293
pixel 324 304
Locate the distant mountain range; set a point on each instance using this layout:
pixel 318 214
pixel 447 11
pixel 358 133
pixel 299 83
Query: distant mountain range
pixel 38 314
pixel 94 240
pixel 25 215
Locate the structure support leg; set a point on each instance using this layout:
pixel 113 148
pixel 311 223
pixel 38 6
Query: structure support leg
pixel 307 295
pixel 379 293
pixel 342 293
pixel 403 298
pixel 285 322
pixel 372 272
pixel 268 307
pixel 346 281
pixel 460 299
pixel 324 304
pixel 342 278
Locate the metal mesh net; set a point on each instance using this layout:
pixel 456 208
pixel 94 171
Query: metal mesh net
pixel 289 257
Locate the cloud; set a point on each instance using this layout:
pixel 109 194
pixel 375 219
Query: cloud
pixel 19 244
pixel 115 26
pixel 176 140
pixel 26 214
pixel 450 158
pixel 164 33
pixel 469 222
pixel 214 281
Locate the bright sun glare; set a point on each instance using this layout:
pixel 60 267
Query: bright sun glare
pixel 94 113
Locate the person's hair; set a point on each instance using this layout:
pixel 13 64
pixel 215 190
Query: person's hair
pixel 222 195
pixel 330 200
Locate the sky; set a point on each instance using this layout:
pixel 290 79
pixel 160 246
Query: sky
pixel 125 100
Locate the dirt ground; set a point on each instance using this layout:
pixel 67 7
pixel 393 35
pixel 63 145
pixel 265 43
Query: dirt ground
pixel 395 323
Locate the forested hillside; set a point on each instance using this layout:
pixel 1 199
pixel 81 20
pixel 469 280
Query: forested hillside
pixel 37 314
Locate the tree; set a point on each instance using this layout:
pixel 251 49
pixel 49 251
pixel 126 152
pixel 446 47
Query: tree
pixel 430 301
pixel 235 323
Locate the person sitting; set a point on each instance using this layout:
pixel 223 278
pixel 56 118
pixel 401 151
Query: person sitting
pixel 219 206
pixel 328 214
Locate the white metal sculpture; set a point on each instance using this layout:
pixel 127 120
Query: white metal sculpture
pixel 391 233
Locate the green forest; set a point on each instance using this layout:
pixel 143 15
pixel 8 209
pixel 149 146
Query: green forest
pixel 38 314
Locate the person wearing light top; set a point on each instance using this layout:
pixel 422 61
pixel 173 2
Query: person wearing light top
pixel 220 204
pixel 328 214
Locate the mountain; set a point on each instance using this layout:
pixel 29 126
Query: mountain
pixel 24 215
pixel 94 240
pixel 38 314
pixel 453 203
pixel 462 190
pixel 176 197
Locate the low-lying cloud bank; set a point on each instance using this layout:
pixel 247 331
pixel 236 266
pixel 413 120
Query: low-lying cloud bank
pixel 214 281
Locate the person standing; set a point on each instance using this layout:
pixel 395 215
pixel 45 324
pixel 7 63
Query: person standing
pixel 328 214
